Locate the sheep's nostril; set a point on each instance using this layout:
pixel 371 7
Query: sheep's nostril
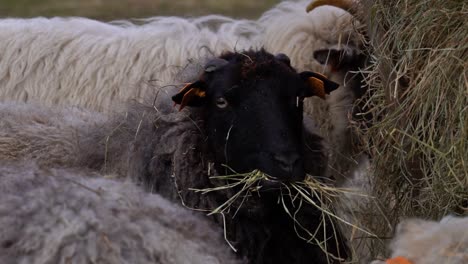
pixel 287 162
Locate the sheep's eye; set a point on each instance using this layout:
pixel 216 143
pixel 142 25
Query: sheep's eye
pixel 210 68
pixel 221 102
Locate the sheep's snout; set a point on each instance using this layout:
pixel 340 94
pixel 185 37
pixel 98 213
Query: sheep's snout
pixel 290 167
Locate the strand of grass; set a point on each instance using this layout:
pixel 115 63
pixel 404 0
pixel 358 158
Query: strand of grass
pixel 183 201
pixel 321 243
pixel 243 178
pixel 139 125
pixel 226 205
pixel 247 182
pixel 312 236
pixel 432 148
pixel 106 149
pixel 225 233
pixel 308 199
pixel 241 203
pixel 314 184
pixel 296 224
pixel 218 188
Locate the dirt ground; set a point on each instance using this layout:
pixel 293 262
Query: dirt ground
pixel 113 9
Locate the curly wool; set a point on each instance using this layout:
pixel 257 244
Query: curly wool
pixel 431 242
pixel 59 215
pixel 166 153
pixel 138 143
pixel 82 62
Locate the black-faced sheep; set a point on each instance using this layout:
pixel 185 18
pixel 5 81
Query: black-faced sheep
pixel 246 113
pixel 73 216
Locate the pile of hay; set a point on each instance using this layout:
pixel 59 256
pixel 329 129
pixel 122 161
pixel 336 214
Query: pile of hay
pixel 418 99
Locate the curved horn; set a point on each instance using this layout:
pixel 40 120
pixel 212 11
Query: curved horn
pixel 347 5
pixel 215 64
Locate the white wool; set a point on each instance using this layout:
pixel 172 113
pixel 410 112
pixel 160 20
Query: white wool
pixel 351 206
pixel 289 29
pixel 430 242
pixel 82 62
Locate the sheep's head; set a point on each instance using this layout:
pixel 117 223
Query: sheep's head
pixel 253 112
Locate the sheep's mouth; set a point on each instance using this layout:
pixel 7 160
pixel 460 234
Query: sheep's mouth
pixel 252 189
pixel 269 185
pixel 255 192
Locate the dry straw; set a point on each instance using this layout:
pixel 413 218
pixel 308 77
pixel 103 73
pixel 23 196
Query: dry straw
pixel 418 98
pixel 311 191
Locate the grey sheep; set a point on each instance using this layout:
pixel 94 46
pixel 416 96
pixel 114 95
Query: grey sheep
pixel 72 216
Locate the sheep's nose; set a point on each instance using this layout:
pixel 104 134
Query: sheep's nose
pixel 286 162
pixel 289 163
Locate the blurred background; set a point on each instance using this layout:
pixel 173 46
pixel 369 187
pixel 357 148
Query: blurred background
pixel 120 9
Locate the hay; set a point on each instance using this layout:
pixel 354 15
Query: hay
pixel 418 97
pixel 311 191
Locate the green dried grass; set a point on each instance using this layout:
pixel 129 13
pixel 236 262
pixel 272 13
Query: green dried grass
pixel 419 100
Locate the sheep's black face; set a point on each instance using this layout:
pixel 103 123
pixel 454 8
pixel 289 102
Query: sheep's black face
pixel 253 116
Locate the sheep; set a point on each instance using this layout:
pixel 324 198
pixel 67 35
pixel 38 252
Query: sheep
pixel 82 62
pixel 78 61
pixel 87 63
pixel 419 241
pixel 288 29
pixel 93 64
pixel 244 111
pixel 349 165
pixel 334 115
pixel 74 216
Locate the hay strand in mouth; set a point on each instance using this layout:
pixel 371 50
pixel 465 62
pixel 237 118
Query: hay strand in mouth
pixel 247 182
pixel 326 196
pixel 310 191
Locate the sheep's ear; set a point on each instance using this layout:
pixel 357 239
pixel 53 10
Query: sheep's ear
pixel 331 57
pixel 193 94
pixel 340 59
pixel 317 84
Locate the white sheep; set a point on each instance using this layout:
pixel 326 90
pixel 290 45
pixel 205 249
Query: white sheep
pixel 76 216
pixel 82 62
pixel 419 241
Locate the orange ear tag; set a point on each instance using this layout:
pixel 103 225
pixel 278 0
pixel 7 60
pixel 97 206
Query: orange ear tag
pixel 317 86
pixel 190 95
pixel 398 260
